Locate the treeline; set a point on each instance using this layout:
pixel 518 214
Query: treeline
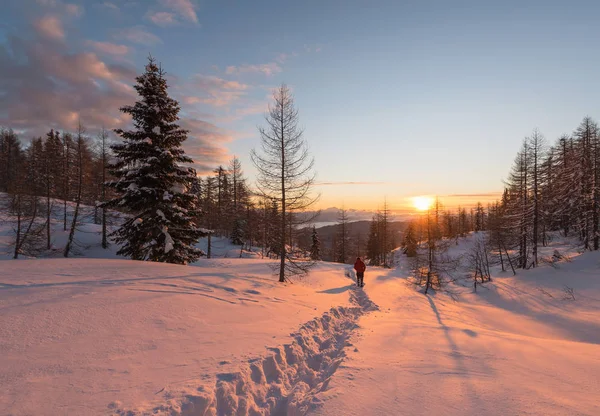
pixel 161 206
pixel 552 188
pixel 429 236
pixel 346 240
pixel 62 167
pixel 45 177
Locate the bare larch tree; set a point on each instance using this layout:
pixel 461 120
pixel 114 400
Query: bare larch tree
pixel 285 169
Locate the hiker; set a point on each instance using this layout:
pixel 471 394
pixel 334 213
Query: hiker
pixel 360 268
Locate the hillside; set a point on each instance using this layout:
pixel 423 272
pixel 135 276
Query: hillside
pixel 520 345
pixel 99 335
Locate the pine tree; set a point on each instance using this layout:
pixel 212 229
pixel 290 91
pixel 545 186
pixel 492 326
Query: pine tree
pixel 315 248
pixel 374 242
pixel 237 234
pixel 10 159
pixel 151 179
pixel 410 241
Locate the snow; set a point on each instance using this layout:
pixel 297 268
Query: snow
pixel 178 188
pixel 168 239
pixel 509 349
pixel 86 335
pixel 100 335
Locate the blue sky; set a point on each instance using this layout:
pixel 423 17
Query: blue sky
pixel 397 98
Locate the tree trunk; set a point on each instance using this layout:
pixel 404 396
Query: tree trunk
pixel 18 236
pixel 208 254
pixel 48 212
pixel 104 239
pixel 283 224
pixel 78 201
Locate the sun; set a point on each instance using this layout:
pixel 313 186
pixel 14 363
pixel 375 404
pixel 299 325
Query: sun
pixel 422 203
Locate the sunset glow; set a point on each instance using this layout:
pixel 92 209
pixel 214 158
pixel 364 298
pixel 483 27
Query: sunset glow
pixel 422 203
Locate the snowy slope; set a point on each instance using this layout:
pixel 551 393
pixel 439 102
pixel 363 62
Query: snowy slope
pixel 84 336
pixel 100 335
pixel 514 348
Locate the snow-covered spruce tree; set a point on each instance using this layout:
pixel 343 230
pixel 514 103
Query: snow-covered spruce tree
pixel 315 248
pixel 151 180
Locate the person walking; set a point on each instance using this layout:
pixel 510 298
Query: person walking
pixel 360 268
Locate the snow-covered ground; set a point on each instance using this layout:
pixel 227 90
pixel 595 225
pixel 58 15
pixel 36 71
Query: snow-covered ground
pixel 83 336
pixel 515 347
pixel 100 335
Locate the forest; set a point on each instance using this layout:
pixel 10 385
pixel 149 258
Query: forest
pixel 157 206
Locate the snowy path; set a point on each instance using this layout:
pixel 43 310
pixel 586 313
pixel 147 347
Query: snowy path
pixel 429 355
pixel 287 380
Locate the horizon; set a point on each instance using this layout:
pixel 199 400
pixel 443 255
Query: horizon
pixel 392 99
pixel 321 208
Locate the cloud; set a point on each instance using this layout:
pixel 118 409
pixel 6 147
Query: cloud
pixel 74 10
pixel 185 8
pixel 47 3
pixel 205 144
pixel 45 85
pixel 349 183
pixel 110 6
pixel 65 9
pixel 50 27
pixel 480 195
pixel 267 69
pixel 137 34
pixel 108 48
pixel 214 91
pixel 162 19
pixel 255 108
pixel 51 88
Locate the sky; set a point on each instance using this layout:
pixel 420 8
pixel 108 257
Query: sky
pixel 396 98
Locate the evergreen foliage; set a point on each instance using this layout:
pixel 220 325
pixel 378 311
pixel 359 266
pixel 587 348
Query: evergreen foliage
pixel 152 181
pixel 315 248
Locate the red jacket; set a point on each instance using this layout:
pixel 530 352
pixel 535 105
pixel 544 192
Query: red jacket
pixel 359 266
